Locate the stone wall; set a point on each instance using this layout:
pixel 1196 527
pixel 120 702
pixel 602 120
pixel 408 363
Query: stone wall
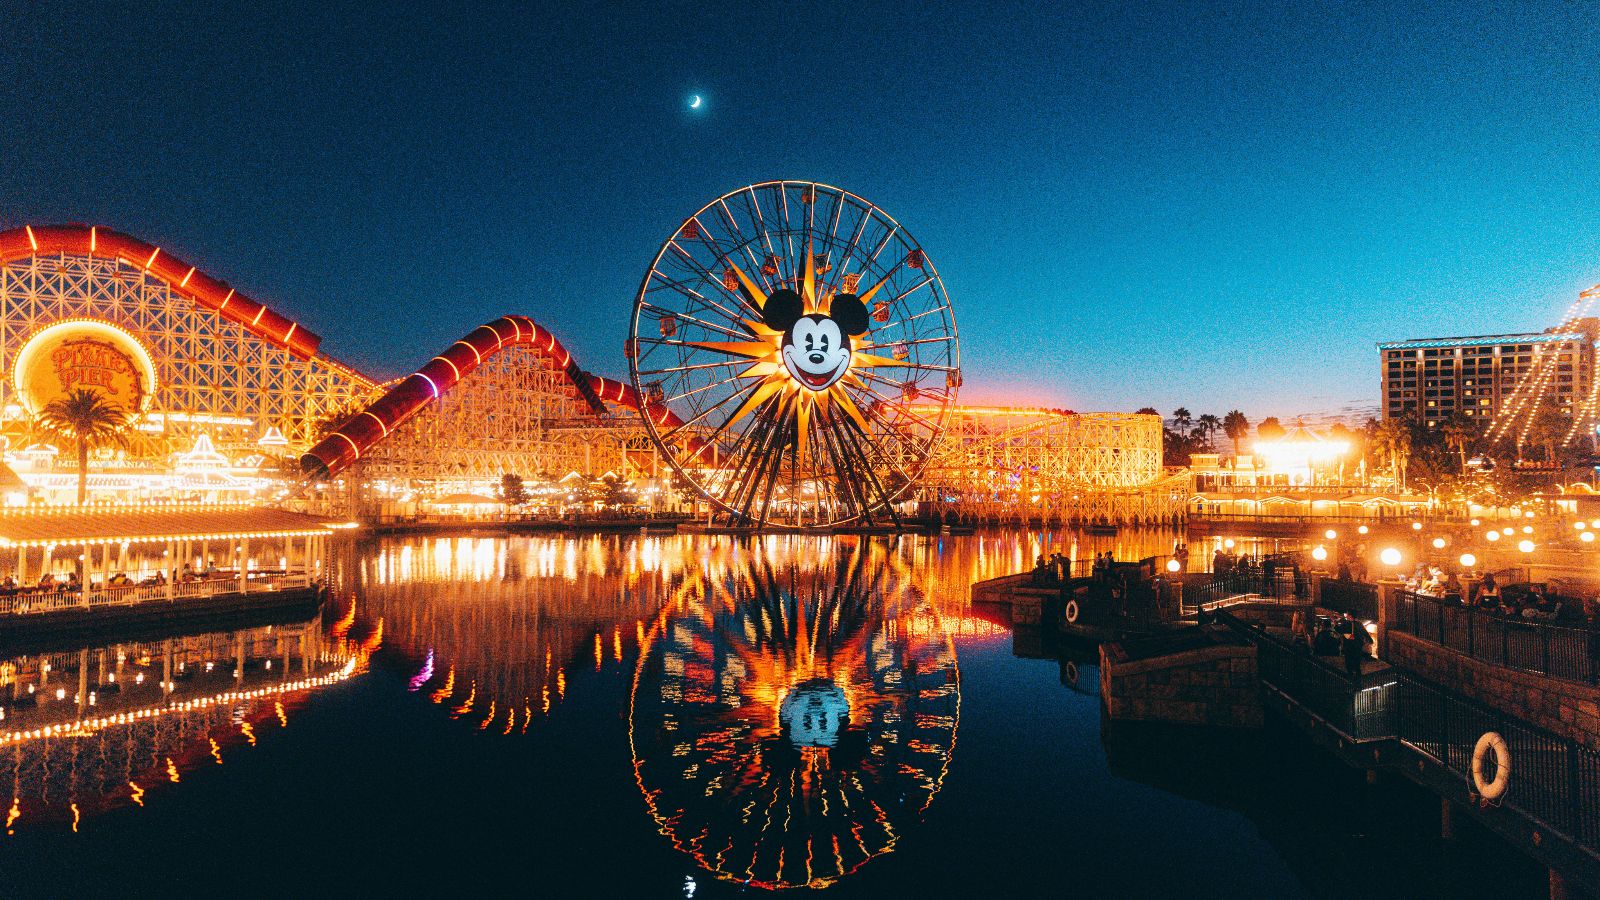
pixel 1206 686
pixel 1564 707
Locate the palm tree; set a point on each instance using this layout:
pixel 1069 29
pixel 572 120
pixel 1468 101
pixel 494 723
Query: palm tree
pixel 1395 437
pixel 1236 427
pixel 87 418
pixel 1271 429
pixel 1181 420
pixel 1458 435
pixel 1208 425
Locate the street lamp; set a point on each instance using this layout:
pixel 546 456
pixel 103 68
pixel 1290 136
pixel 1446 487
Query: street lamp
pixel 1525 546
pixel 1416 526
pixel 1173 565
pixel 1587 537
pixel 1468 561
pixel 1319 553
pixel 1492 536
pixel 1438 543
pixel 1361 530
pixel 1330 534
pixel 1389 557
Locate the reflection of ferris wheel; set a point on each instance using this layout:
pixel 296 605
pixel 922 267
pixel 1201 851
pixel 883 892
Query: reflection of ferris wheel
pixel 789 725
pixel 796 354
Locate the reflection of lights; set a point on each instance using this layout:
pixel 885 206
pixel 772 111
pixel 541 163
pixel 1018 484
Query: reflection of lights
pixel 852 723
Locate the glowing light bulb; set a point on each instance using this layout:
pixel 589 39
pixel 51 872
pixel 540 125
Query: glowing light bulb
pixel 1438 543
pixel 1468 560
pixel 1390 556
pixel 1525 546
pixel 1319 553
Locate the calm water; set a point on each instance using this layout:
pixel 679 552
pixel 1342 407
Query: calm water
pixel 673 716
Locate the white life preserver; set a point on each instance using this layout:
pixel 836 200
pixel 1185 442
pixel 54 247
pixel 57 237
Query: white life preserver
pixel 1071 611
pixel 1491 790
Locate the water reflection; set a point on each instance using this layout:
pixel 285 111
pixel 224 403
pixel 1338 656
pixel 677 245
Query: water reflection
pixel 792 718
pixel 96 728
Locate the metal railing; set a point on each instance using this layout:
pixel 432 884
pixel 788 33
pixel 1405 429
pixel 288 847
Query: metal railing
pixel 1358 706
pixel 1357 598
pixel 1283 586
pixel 1572 654
pixel 1554 780
pixel 38 601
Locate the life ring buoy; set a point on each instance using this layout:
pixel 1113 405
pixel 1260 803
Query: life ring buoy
pixel 1071 612
pixel 1491 790
pixel 1072 672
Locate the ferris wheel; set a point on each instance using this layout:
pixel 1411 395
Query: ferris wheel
pixel 795 356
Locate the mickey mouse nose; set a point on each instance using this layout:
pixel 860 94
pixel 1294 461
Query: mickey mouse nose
pixel 817 359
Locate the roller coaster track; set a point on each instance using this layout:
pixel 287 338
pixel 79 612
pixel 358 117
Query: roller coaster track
pixel 409 396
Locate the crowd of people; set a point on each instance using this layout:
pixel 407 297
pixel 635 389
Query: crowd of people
pixel 53 583
pixel 1530 603
pixel 1340 635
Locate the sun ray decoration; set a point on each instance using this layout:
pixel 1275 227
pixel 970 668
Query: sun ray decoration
pixel 807 348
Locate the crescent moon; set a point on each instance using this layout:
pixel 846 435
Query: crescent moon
pixel 695 103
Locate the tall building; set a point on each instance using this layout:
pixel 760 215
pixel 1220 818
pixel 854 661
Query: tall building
pixel 1438 377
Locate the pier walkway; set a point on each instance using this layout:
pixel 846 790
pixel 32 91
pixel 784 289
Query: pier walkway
pixel 1393 719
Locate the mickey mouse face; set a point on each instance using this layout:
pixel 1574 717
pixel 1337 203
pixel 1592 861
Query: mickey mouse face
pixel 816 348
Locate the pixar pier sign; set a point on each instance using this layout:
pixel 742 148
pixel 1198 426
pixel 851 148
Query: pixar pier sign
pixel 79 355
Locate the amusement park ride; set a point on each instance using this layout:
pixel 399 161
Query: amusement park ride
pixel 792 360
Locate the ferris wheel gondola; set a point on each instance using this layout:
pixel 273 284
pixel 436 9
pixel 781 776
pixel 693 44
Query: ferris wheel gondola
pixel 798 356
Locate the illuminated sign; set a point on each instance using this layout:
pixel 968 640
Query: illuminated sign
pixel 83 354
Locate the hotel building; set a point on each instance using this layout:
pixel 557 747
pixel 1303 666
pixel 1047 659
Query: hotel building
pixel 1438 377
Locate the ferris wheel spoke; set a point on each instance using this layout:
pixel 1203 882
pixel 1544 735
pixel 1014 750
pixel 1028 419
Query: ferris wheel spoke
pixel 852 434
pixel 744 245
pixel 700 417
pixel 710 326
pixel 712 279
pixel 906 321
pixel 694 366
pixel 684 288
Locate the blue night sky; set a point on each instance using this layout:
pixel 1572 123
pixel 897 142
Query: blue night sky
pixel 1142 204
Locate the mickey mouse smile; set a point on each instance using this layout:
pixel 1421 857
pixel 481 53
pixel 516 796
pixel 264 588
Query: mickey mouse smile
pixel 816 348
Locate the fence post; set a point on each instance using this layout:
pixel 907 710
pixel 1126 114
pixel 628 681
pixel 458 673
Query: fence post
pixel 1387 615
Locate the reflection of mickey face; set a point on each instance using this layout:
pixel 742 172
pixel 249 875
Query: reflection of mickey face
pixel 816 348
